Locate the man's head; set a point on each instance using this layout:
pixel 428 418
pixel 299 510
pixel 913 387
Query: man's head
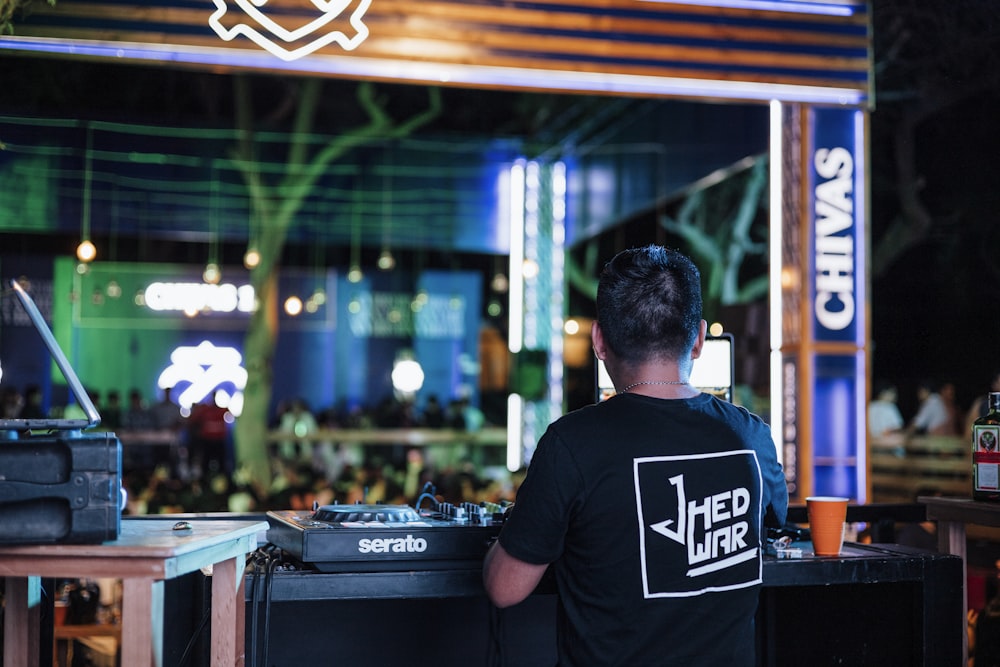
pixel 649 305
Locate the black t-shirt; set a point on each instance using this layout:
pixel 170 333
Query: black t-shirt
pixel 651 512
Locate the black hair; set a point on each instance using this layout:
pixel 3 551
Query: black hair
pixel 649 304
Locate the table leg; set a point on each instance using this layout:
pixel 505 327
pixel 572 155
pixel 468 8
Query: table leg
pixel 22 605
pixel 142 622
pixel 951 540
pixel 228 614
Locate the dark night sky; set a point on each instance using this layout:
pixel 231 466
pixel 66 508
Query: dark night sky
pixel 936 311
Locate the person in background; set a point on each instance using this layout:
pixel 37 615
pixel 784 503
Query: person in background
pixel 11 403
pixel 955 419
pixel 297 421
pixel 111 412
pixel 883 413
pixel 33 399
pixel 433 414
pixel 981 405
pixel 622 498
pixel 166 414
pixel 932 416
pixel 207 431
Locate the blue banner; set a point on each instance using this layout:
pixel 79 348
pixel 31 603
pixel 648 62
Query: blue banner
pixel 836 206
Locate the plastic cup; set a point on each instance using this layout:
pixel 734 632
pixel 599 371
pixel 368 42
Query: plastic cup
pixel 827 515
pixel 60 608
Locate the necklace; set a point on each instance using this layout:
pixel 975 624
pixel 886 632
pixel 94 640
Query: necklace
pixel 636 384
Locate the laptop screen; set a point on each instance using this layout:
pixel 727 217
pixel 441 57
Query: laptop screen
pixel 712 372
pixel 93 418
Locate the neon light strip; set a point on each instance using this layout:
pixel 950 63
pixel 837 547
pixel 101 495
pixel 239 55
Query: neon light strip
pixel 515 405
pixel 821 8
pixel 515 327
pixel 774 279
pixel 558 192
pixel 430 73
pixel 532 259
pixel 861 296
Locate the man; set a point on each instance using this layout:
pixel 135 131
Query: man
pixel 883 414
pixel 649 505
pixel 932 415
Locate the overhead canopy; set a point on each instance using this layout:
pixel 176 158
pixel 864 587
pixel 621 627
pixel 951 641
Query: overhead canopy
pixel 741 50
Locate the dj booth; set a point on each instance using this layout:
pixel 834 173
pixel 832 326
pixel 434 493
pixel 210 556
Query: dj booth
pixel 874 605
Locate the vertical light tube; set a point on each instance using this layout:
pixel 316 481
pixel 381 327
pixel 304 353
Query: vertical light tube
pixel 558 270
pixel 774 279
pixel 515 408
pixel 515 335
pixel 861 267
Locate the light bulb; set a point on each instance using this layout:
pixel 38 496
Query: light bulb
pixel 386 261
pixel 86 251
pixel 212 273
pixel 252 258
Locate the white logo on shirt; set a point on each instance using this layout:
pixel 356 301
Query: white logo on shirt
pixel 698 522
pixel 712 530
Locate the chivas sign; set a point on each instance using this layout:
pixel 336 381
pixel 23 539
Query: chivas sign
pixel 836 193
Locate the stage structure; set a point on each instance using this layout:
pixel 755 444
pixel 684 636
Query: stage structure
pixel 809 60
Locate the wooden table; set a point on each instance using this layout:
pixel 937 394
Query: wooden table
pixel 146 553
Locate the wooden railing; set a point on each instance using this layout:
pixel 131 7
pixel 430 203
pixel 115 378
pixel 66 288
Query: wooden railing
pixel 413 437
pixel 903 468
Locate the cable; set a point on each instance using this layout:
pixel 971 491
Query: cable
pixel 265 561
pixel 427 492
pixel 194 638
pixel 268 580
pixel 259 559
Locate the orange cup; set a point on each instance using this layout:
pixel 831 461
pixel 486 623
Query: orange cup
pixel 60 608
pixel 827 515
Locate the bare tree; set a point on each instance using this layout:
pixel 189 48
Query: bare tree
pixel 275 204
pixel 716 221
pixel 11 8
pixel 929 57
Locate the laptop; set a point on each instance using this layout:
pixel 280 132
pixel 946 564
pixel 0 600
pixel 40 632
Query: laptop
pixel 92 417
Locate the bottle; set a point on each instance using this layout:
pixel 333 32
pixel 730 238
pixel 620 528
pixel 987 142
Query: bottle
pixel 986 453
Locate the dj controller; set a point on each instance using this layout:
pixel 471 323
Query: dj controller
pixel 379 538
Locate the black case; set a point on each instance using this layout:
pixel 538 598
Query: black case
pixel 60 488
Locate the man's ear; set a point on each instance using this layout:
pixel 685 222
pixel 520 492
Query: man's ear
pixel 597 341
pixel 699 343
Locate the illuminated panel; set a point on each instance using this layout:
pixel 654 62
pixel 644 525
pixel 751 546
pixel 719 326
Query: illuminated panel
pixel 515 407
pixel 501 77
pixel 557 238
pixel 837 297
pixel 835 425
pixel 531 268
pixel 805 51
pixel 204 371
pixel 515 196
pixel 775 225
pixel 832 8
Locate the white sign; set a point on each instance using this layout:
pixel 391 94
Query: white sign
pixel 249 18
pixel 196 297
pixel 834 238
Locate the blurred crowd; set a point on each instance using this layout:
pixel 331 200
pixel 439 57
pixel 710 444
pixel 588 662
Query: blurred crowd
pixel 937 412
pixel 182 460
